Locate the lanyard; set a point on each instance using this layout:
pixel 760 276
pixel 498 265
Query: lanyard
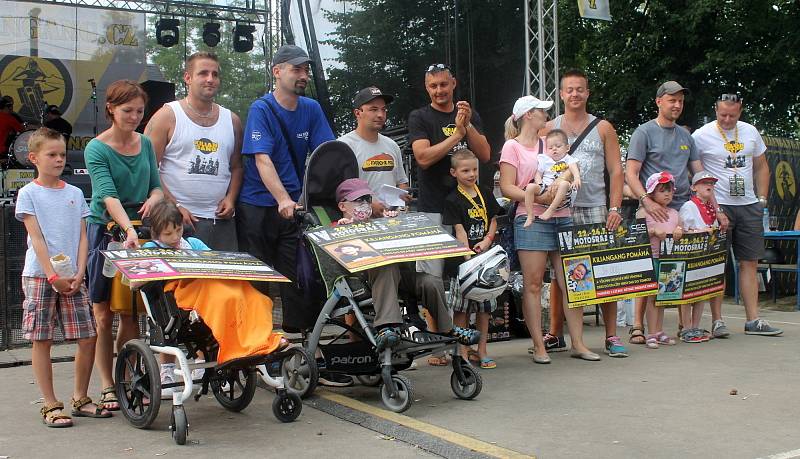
pixel 731 146
pixel 480 209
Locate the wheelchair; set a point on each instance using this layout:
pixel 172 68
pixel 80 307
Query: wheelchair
pixel 351 349
pixel 183 334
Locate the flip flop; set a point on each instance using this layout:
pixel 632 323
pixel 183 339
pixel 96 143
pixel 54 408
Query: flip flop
pixel 473 356
pixel 488 363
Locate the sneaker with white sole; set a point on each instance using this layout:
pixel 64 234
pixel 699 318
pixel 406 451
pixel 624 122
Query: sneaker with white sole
pixel 614 347
pixel 719 330
pixel 167 377
pixel 761 327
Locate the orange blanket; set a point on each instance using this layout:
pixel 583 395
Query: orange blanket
pixel 239 316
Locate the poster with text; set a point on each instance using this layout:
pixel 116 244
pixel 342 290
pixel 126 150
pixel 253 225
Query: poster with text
pixel 601 266
pixel 383 241
pixel 143 265
pixel 692 268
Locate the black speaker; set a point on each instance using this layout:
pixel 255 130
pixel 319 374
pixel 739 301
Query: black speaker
pixel 158 94
pixel 13 260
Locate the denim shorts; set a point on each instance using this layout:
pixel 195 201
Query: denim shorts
pixel 99 285
pixel 541 236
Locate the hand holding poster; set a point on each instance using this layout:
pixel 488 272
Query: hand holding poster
pixel 383 241
pixel 691 268
pixel 142 265
pixel 602 266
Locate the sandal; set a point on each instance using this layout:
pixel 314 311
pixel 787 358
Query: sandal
pixel 438 361
pixel 473 356
pixel 637 335
pixel 108 398
pixel 50 418
pixel 651 342
pixel 664 339
pixel 99 410
pixel 488 363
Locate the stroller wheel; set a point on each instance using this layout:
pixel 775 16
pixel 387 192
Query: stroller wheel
pixel 138 383
pixel 287 406
pixel 299 371
pixel 234 390
pixel 405 394
pixel 470 387
pixel 179 425
pixel 369 380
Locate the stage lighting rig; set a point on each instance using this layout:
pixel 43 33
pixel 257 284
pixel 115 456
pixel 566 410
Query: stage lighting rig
pixel 211 34
pixel 167 32
pixel 243 37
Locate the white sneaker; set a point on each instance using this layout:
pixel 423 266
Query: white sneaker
pixel 167 377
pixel 198 373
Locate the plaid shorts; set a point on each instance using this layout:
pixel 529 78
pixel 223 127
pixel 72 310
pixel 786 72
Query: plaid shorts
pixel 589 215
pixel 43 306
pixel 470 306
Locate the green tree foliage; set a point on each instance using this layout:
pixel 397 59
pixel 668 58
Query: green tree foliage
pixel 243 74
pixel 710 46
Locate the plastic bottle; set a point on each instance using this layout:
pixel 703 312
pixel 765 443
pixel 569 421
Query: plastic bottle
pixel 109 270
pixel 765 220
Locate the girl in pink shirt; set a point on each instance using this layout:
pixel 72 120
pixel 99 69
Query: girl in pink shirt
pixel 661 187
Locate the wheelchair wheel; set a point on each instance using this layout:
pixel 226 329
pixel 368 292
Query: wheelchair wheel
pixel 235 389
pixel 138 383
pixel 179 425
pixel 470 387
pixel 369 380
pixel 405 394
pixel 299 372
pixel 287 406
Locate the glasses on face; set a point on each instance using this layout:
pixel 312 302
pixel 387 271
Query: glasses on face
pixel 735 98
pixel 367 199
pixel 433 68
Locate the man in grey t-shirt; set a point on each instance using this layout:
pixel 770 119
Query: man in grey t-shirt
pixel 662 145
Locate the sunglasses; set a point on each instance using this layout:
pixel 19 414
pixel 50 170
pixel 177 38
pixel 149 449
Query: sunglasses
pixel 735 98
pixel 366 198
pixel 433 68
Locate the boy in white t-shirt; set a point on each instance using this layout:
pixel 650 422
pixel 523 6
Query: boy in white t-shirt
pixel 697 215
pixel 556 175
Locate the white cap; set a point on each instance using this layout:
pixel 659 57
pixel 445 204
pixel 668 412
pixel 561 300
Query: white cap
pixel 527 103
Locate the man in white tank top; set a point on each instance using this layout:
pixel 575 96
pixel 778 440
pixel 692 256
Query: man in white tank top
pixel 198 147
pixel 598 152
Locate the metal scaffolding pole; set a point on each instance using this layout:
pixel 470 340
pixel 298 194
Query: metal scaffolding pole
pixel 541 50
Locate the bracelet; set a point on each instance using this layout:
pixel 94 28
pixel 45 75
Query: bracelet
pixel 642 197
pixel 52 279
pixel 128 229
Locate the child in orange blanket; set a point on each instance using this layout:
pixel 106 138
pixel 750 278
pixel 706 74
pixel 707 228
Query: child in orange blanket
pixel 239 316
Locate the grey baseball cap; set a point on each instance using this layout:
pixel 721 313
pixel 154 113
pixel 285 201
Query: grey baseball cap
pixel 290 54
pixel 671 87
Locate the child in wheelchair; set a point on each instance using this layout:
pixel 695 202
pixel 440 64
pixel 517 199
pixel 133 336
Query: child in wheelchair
pixel 239 316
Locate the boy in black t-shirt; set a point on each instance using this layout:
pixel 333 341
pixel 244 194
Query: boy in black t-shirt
pixel 472 210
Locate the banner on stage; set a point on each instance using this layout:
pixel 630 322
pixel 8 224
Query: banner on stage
pixel 594 9
pixel 601 266
pixel 143 265
pixel 383 241
pixel 692 268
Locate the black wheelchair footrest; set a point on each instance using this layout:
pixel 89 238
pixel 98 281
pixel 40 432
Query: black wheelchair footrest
pixel 428 337
pixel 244 362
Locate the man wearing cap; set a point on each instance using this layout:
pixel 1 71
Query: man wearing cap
pixel 733 152
pixel 378 156
pixel 198 146
pixel 57 123
pixel 283 127
pixel 661 145
pixel 598 152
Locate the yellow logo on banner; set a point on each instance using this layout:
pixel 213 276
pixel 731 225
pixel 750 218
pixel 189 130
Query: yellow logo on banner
pixel 120 34
pixel 785 183
pixel 34 83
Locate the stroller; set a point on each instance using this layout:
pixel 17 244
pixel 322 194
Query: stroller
pixel 352 349
pixel 180 333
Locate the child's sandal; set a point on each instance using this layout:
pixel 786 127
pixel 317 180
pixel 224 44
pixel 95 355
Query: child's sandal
pixel 108 398
pixel 49 418
pixel 99 410
pixel 651 342
pixel 664 339
pixel 637 336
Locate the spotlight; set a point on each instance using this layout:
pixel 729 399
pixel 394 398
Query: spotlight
pixel 211 34
pixel 167 32
pixel 243 37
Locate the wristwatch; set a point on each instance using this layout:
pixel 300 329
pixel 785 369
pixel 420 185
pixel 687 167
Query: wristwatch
pixel 613 209
pixel 642 197
pixel 763 200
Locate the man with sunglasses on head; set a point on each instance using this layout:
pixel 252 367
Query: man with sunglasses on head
pixel 733 152
pixel 435 131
